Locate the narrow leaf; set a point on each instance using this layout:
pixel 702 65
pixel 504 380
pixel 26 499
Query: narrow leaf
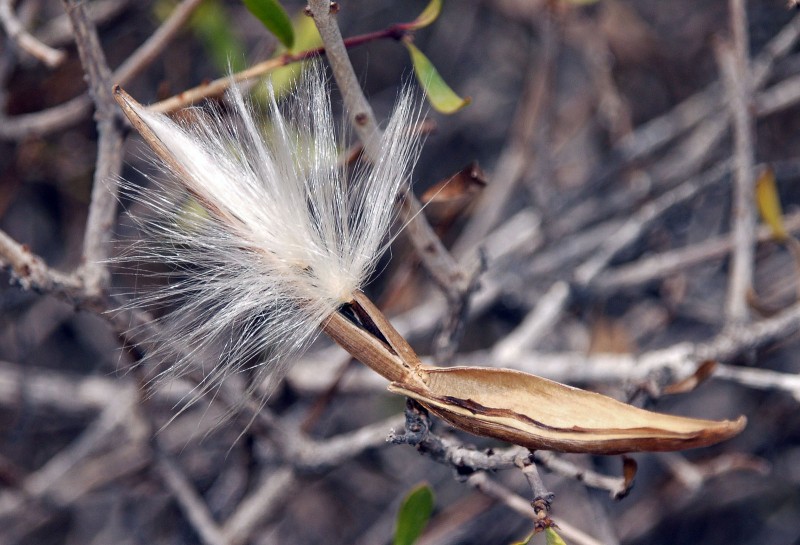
pixel 769 204
pixel 274 17
pixel 414 515
pixel 428 15
pixel 527 540
pixel 439 94
pixel 552 537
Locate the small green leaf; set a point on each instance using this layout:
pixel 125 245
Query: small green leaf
pixel 428 15
pixel 213 26
pixel 306 37
pixel 552 537
pixel 413 515
pixel 769 204
pixel 440 95
pixel 274 17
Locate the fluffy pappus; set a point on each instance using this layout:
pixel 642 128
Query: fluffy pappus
pixel 265 229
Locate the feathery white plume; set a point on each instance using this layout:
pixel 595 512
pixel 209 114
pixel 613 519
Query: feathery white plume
pixel 280 236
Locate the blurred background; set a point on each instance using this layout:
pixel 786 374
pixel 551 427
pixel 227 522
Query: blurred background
pixel 583 116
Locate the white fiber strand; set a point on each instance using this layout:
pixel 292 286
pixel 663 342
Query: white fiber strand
pixel 266 233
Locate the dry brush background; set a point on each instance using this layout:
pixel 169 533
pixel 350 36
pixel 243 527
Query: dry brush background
pixel 615 139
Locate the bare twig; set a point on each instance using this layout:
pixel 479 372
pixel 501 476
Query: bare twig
pixel 495 490
pixel 679 260
pixel 189 500
pixel 67 114
pixel 616 486
pixel 32 272
pixel 103 207
pixel 155 44
pixel 734 63
pixel 270 496
pixel 25 41
pixel 220 85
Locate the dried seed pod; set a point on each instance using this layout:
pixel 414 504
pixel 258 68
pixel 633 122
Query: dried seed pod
pixel 541 414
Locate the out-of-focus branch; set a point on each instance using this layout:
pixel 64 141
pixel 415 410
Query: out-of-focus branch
pixel 735 66
pixel 190 502
pixel 67 114
pixel 679 260
pixel 25 41
pixel 155 44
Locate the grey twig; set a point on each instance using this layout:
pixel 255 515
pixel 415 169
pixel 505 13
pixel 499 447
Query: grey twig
pixel 735 66
pixel 103 207
pixel 25 41
pixel 493 489
pixel 268 497
pixel 679 260
pixel 33 273
pixel 189 500
pixel 67 114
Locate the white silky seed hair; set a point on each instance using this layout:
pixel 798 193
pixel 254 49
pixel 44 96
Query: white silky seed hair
pixel 277 236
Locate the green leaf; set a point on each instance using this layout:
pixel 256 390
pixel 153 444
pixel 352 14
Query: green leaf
pixel 274 17
pixel 769 204
pixel 440 95
pixel 213 26
pixel 428 15
pixel 306 37
pixel 414 514
pixel 552 537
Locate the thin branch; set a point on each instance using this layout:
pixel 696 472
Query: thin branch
pixel 493 489
pixel 32 272
pixel 67 114
pixel 189 500
pixel 25 41
pixel 676 261
pixel 616 486
pixel 218 86
pixel 103 207
pixel 435 257
pixel 270 496
pixel 146 53
pixel 734 64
